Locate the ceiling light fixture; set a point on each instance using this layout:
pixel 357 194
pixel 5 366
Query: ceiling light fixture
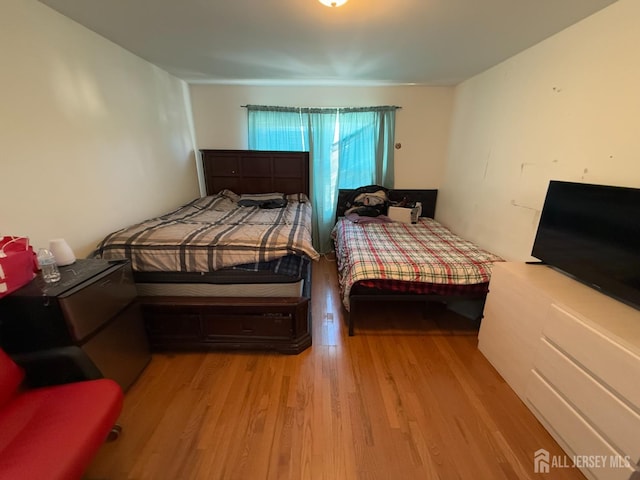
pixel 333 3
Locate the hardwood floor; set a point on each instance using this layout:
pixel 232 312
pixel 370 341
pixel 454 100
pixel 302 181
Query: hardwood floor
pixel 409 397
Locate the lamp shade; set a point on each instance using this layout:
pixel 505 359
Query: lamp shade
pixel 333 3
pixel 62 252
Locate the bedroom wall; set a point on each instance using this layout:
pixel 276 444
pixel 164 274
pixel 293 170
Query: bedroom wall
pixel 93 138
pixel 422 125
pixel 565 109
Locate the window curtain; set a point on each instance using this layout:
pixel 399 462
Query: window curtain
pixel 278 129
pixel 322 134
pixel 348 148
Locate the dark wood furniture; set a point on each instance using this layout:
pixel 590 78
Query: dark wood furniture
pixel 279 323
pixel 470 306
pixel 93 306
pixel 282 324
pixel 255 171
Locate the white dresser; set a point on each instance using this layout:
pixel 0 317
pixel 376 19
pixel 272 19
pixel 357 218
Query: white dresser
pixel 572 354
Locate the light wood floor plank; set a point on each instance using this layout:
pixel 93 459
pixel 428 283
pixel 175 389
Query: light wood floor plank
pixel 410 396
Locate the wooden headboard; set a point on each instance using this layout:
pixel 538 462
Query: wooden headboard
pixel 426 197
pixel 255 171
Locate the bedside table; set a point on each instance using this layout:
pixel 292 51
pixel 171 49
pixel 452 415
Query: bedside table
pixel 93 306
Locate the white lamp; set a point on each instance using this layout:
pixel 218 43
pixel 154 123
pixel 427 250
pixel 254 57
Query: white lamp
pixel 333 3
pixel 62 252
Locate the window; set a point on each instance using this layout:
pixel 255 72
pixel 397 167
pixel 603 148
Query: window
pixel 349 148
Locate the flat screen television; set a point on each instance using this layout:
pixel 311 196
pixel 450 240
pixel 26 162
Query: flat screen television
pixel 592 233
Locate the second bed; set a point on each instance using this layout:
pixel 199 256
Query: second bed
pixel 394 261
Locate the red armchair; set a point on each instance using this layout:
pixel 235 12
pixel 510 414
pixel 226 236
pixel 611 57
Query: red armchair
pixel 52 432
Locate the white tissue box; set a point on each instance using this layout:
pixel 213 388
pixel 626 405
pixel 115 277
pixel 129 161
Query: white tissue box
pixel 404 214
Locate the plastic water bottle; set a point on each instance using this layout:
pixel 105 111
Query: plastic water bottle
pixel 47 262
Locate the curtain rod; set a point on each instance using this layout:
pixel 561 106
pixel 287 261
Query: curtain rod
pixel 316 108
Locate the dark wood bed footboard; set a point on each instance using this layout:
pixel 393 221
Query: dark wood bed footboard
pixel 280 324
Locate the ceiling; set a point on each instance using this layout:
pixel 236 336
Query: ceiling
pixel 302 42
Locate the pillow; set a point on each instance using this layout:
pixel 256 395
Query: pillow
pixel 297 197
pixel 234 197
pixel 263 200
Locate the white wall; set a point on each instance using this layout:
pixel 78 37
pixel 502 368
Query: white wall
pixel 422 125
pixel 567 109
pixel 93 138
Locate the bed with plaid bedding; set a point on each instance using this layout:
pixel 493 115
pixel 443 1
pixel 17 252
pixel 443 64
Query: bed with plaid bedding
pixel 403 254
pixel 212 233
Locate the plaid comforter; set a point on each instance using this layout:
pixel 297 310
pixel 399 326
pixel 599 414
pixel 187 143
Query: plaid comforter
pixel 212 233
pixel 423 252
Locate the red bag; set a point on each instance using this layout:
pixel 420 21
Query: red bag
pixel 18 264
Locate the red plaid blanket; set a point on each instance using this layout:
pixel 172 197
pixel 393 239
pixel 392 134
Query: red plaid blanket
pixel 423 252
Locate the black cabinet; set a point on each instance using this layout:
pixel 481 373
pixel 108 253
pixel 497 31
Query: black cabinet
pixel 93 306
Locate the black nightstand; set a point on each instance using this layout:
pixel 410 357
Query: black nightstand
pixel 93 306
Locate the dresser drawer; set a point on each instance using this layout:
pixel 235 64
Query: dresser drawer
pixel 606 360
pixel 268 325
pixel 174 322
pixel 573 433
pixel 613 419
pixel 87 308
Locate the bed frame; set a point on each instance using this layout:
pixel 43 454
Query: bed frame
pixel 469 306
pixel 282 324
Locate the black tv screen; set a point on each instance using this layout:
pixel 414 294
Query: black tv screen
pixel 592 232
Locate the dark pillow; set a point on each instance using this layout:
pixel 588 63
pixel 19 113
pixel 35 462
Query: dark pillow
pixel 276 203
pixel 263 200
